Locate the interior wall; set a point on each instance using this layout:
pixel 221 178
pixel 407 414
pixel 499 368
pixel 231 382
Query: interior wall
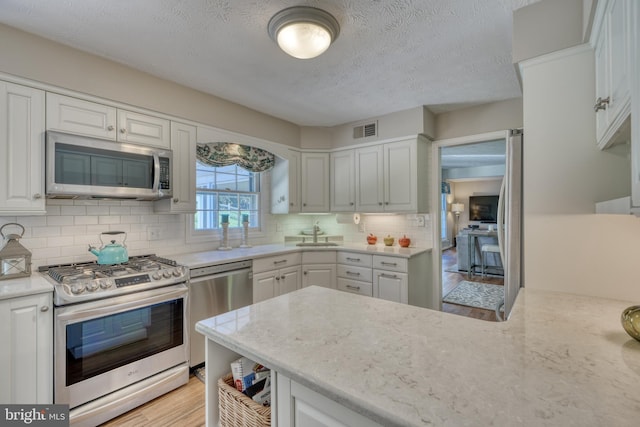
pixel 32 57
pixel 567 247
pixel 461 190
pixel 494 116
pixel 563 27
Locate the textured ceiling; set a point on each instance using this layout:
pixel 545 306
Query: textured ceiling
pixel 391 55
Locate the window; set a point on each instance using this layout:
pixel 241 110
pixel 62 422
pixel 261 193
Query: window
pixel 226 190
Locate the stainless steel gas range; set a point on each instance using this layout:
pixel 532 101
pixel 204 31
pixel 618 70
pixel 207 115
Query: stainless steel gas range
pixel 120 335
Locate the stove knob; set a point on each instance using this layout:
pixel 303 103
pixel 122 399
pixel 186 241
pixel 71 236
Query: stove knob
pixel 177 272
pixel 77 288
pixel 92 286
pixel 156 276
pixel 166 274
pixel 105 284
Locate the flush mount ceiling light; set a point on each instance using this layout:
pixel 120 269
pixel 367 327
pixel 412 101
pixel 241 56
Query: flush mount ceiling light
pixel 303 32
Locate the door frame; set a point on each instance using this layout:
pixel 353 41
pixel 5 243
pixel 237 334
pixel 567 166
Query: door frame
pixel 436 179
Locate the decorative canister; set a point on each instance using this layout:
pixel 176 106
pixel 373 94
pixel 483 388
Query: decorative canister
pixel 630 320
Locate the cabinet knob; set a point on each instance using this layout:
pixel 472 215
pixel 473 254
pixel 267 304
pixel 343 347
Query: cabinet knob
pixel 351 203
pixel 277 277
pixel 380 203
pixel 110 128
pixel 304 204
pixel 386 203
pixel 601 104
pixel 291 204
pixel 305 273
pixel 37 196
pixel 123 130
pixel 282 277
pixel 176 200
pixel 44 308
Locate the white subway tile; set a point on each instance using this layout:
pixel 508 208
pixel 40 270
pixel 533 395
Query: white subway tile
pixel 96 210
pixel 107 219
pixel 119 210
pixel 130 219
pixel 53 210
pixel 32 221
pixel 73 210
pixel 45 231
pixel 60 241
pixel 85 202
pixel 33 243
pixel 58 202
pixel 86 220
pixel 60 220
pixel 109 203
pixel 45 252
pixel 141 210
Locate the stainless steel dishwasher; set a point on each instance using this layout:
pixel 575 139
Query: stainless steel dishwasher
pixel 214 290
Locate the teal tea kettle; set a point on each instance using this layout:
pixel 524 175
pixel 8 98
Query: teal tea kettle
pixel 112 253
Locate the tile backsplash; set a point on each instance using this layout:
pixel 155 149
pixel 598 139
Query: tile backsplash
pixel 64 234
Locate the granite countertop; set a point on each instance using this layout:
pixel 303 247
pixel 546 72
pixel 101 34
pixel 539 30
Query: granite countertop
pixel 560 360
pixel 201 259
pixel 23 286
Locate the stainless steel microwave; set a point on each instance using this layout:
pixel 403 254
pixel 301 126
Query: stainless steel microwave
pixel 80 167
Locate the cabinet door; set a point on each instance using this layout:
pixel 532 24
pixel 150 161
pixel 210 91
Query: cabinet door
pixel 319 275
pixel 26 362
pixel 391 286
pixel 289 280
pixel 294 181
pixel 142 129
pixel 601 53
pixel 343 181
pixel 369 179
pixel 183 177
pixel 264 285
pixel 315 182
pixel 81 117
pixel 618 45
pixel 400 177
pixel 21 150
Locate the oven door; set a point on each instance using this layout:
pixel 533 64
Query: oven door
pixel 102 346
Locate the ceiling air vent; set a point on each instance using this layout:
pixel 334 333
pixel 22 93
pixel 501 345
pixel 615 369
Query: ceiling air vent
pixel 365 131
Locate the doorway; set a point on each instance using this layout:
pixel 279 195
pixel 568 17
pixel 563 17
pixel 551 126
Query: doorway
pixel 477 256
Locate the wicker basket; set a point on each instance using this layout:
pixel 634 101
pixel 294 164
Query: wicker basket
pixel 237 409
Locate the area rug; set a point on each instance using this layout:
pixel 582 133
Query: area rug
pixel 474 294
pixel 200 374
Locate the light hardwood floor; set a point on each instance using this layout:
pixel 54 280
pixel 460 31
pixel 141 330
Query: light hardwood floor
pixel 451 280
pixel 182 407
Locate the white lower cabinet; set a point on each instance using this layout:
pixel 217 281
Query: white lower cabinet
pixel 390 279
pixel 354 273
pixel 319 269
pixel 271 284
pixel 277 275
pixel 297 405
pixel 26 361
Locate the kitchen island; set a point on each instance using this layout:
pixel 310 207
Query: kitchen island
pixel 560 360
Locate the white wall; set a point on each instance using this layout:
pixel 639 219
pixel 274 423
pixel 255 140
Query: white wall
pixel 494 116
pixel 461 190
pixel 566 246
pixel 32 57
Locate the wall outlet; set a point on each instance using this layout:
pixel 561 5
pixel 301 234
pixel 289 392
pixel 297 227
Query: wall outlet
pixel 419 220
pixel 361 227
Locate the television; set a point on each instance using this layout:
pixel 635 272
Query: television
pixel 483 209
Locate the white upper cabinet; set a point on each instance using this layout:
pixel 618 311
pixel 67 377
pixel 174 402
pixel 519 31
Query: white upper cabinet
pixel 343 186
pixel 285 184
pixel 369 179
pixel 315 182
pixel 611 39
pixel 183 146
pixel 392 177
pixel 68 114
pixel 22 120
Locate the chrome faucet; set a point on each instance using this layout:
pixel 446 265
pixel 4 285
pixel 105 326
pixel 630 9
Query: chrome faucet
pixel 316 228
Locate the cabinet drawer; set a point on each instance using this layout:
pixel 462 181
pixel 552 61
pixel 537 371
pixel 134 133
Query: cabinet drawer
pixel 390 263
pixel 354 273
pixel 319 257
pixel 276 262
pixel 354 258
pixel 355 287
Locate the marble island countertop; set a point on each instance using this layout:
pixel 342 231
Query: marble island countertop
pixel 23 286
pixel 205 258
pixel 560 360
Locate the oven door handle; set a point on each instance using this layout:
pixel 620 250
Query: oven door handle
pixel 123 303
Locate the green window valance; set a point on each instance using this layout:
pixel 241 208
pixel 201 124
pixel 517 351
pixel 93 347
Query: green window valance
pixel 228 153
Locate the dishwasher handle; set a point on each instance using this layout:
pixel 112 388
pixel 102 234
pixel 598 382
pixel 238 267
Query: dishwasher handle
pixel 200 279
pixel 220 269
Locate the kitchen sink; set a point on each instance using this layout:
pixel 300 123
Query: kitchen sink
pixel 317 244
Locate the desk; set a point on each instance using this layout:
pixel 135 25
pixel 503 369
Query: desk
pixel 472 236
